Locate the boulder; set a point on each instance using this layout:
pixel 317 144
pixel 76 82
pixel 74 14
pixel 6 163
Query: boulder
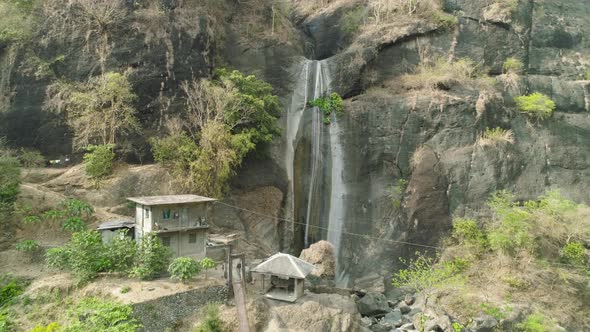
pixel 321 255
pixel 373 304
pixel 393 319
pixel 404 308
pixel 484 323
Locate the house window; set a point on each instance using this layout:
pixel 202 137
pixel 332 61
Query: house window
pixel 192 238
pixel 166 214
pixel 166 241
pixel 147 212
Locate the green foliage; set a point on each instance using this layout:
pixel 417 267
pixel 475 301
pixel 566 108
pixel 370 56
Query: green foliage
pixel 396 192
pixel 511 232
pixel 51 327
pixel 183 268
pixel 99 111
pixel 457 327
pixel 467 232
pixel 494 311
pixel 211 322
pixel 84 255
pixel 15 25
pixel 10 289
pixel 426 274
pixel 29 246
pixel 95 315
pixel 574 253
pixel 31 158
pixel 31 219
pixel 121 252
pixel 76 208
pixel 587 74
pixel 513 65
pixel 255 109
pixel 9 180
pixel 207 264
pixel 58 258
pixel 536 323
pixel 98 161
pixel 352 20
pixel 444 20
pixel 537 105
pixel 329 105
pixel 74 224
pixel 5 322
pixel 152 257
pixel 493 136
pixel 125 289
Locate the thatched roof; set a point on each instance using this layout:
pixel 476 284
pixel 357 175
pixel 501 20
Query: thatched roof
pixel 284 265
pixel 170 199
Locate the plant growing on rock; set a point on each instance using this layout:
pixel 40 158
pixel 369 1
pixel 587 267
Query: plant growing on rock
pixel 537 105
pixel 396 192
pixel 441 74
pixel 512 66
pixel 329 105
pixel 183 268
pixel 496 136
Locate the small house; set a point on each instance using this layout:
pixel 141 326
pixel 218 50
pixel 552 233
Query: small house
pixel 282 277
pixel 181 221
pixel 110 229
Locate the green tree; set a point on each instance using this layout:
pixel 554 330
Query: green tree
pixel 98 161
pixel 99 111
pixel 152 257
pixel 73 224
pixel 183 268
pixel 121 252
pixel 207 264
pixel 30 158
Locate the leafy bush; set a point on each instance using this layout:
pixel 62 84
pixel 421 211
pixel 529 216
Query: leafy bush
pixel 58 258
pixel 574 253
pixel 211 322
pixel 28 246
pixel 329 105
pixel 536 105
pixel 152 257
pixel 511 232
pixel 76 208
pixel 121 253
pixel 513 65
pixel 31 158
pixel 183 268
pixel 95 315
pixel 536 323
pixel 207 264
pixel 426 274
pixel 10 288
pixel 51 327
pixel 494 136
pixel 98 161
pixel 74 224
pixel 31 219
pixel 9 180
pixel 467 232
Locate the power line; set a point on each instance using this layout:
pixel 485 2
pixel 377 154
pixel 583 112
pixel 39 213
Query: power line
pixel 367 237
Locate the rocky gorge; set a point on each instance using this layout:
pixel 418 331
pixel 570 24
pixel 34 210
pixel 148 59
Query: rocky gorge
pixel 386 177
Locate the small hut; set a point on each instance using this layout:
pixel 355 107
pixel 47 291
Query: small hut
pixel 282 277
pixel 110 229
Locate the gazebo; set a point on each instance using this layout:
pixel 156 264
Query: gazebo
pixel 282 277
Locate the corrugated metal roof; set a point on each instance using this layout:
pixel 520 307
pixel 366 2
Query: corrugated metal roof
pixel 170 199
pixel 112 224
pixel 285 265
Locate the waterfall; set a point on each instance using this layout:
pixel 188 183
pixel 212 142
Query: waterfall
pixel 313 81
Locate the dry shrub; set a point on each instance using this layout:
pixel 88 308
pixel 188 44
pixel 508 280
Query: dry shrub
pixel 495 137
pixel 418 156
pixel 441 75
pixel 383 11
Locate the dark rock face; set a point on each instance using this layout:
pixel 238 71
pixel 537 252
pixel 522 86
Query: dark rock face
pixel 373 304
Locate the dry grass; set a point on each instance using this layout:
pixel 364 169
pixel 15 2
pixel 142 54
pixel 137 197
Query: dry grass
pixel 495 137
pixel 441 75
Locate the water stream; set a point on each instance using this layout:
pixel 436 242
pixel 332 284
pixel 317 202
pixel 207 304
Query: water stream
pixel 318 189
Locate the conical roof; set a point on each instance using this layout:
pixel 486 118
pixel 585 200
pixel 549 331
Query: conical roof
pixel 284 265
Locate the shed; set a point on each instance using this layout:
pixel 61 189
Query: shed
pixel 282 276
pixel 108 230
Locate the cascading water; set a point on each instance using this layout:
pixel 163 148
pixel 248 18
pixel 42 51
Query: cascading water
pixel 321 204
